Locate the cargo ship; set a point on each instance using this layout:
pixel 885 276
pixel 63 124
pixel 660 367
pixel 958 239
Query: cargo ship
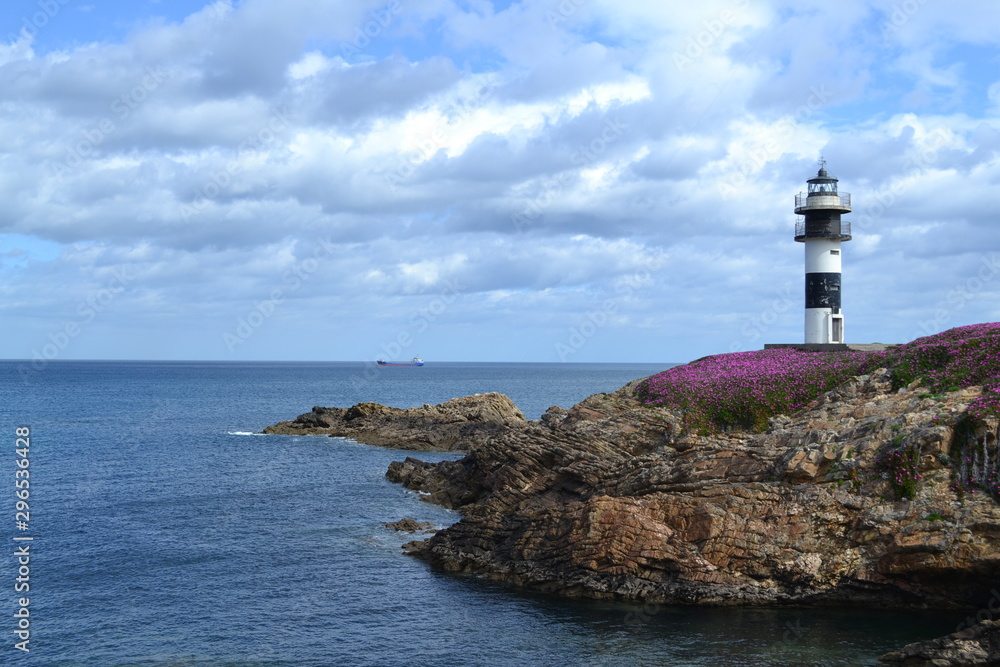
pixel 415 361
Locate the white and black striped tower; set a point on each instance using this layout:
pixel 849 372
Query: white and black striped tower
pixel 820 228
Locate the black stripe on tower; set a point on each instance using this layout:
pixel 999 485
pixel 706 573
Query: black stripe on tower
pixel 823 224
pixel 822 290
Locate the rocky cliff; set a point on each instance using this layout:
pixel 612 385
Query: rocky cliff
pixel 456 424
pixel 774 477
pixel 858 497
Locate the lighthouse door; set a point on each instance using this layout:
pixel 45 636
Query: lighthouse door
pixel 838 330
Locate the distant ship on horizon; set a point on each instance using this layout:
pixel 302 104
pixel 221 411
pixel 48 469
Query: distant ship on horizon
pixel 416 361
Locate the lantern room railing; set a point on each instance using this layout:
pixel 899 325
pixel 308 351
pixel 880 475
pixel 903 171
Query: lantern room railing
pixel 802 199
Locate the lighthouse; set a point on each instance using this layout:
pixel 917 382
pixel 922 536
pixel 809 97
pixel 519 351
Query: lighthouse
pixel 821 230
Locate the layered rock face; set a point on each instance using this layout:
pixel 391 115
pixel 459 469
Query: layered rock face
pixel 456 424
pixel 610 500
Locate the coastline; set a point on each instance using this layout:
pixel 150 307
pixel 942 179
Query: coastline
pixel 857 497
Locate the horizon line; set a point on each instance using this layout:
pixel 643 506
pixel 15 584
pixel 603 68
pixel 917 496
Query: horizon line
pixel 325 361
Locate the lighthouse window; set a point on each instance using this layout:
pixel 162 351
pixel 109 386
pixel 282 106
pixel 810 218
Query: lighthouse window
pixel 834 252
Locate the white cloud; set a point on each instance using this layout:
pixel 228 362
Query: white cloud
pixel 994 96
pixel 546 165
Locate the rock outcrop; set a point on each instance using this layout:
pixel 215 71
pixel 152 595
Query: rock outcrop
pixel 977 645
pixel 457 424
pixel 611 499
pixel 410 526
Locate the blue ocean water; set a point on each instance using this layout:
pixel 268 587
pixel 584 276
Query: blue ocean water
pixel 165 532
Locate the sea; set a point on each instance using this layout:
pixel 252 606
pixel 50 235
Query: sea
pixel 158 527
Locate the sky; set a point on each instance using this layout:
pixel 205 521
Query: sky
pixel 467 180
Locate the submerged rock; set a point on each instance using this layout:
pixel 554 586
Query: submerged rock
pixel 457 424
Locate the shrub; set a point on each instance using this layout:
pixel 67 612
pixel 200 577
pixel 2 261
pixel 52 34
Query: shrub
pixel 899 468
pixel 745 389
pixel 958 358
